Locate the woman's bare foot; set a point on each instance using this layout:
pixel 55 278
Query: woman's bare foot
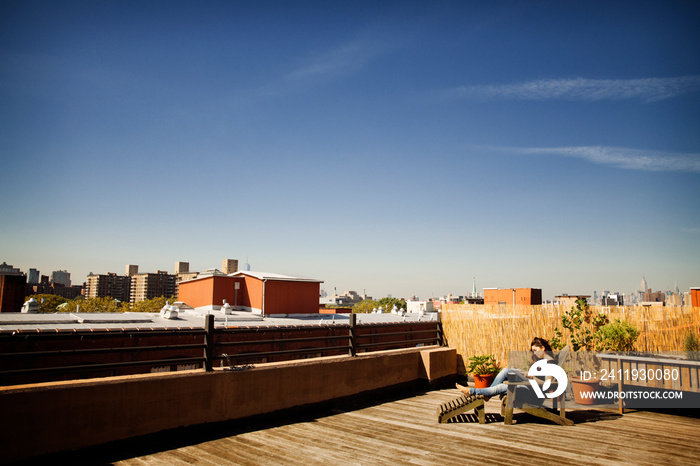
pixel 463 389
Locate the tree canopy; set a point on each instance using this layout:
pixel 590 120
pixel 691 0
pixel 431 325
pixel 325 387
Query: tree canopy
pixel 151 305
pixel 365 306
pixel 105 304
pixel 389 303
pixel 108 304
pixel 47 302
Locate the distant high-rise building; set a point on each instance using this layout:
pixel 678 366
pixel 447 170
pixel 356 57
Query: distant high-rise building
pixel 182 273
pixel 108 285
pixel 643 288
pixel 6 269
pixel 567 301
pixel 33 277
pixel 612 299
pixel 229 266
pixel 58 289
pixel 474 293
pixel 182 267
pixel 61 277
pixel 246 267
pixel 132 270
pixel 653 297
pixel 152 285
pixel 59 284
pixel 675 300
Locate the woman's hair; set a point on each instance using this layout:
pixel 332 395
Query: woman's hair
pixel 537 341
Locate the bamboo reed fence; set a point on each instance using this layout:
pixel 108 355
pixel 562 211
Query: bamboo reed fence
pixel 478 329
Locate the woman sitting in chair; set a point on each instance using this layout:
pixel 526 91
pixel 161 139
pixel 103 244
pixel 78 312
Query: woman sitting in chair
pixel 540 349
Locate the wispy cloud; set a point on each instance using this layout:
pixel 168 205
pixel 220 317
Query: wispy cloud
pixel 344 59
pixel 347 58
pixel 647 89
pixel 695 231
pixel 325 65
pixel 625 158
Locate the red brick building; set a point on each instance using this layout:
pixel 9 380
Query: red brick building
pixel 259 292
pixel 513 296
pixel 58 289
pixel 12 288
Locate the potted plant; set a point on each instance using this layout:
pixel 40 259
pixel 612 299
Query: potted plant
pixel 484 369
pixel 586 334
pixel 581 327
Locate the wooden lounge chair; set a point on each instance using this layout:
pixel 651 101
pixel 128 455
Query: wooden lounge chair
pixel 521 395
pixel 461 405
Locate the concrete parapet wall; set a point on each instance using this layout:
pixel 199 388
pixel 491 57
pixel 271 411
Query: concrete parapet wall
pixel 46 418
pixel 438 364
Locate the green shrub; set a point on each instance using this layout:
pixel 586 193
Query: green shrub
pixel 618 335
pixel 691 344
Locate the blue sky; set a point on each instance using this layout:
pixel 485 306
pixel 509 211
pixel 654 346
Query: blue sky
pixel 398 148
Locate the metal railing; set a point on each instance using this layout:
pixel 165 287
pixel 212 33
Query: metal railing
pixel 243 345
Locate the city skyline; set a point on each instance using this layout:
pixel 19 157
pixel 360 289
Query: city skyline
pixel 335 289
pixel 398 148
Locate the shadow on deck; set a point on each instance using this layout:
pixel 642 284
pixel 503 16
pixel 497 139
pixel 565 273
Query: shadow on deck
pixel 402 428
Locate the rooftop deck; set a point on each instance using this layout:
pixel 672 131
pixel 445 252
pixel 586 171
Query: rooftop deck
pixel 405 431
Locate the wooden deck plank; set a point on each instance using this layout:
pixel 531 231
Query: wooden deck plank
pixel 407 431
pixel 381 441
pixel 242 452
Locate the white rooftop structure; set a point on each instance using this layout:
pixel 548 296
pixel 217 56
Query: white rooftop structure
pixel 179 315
pixel 273 276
